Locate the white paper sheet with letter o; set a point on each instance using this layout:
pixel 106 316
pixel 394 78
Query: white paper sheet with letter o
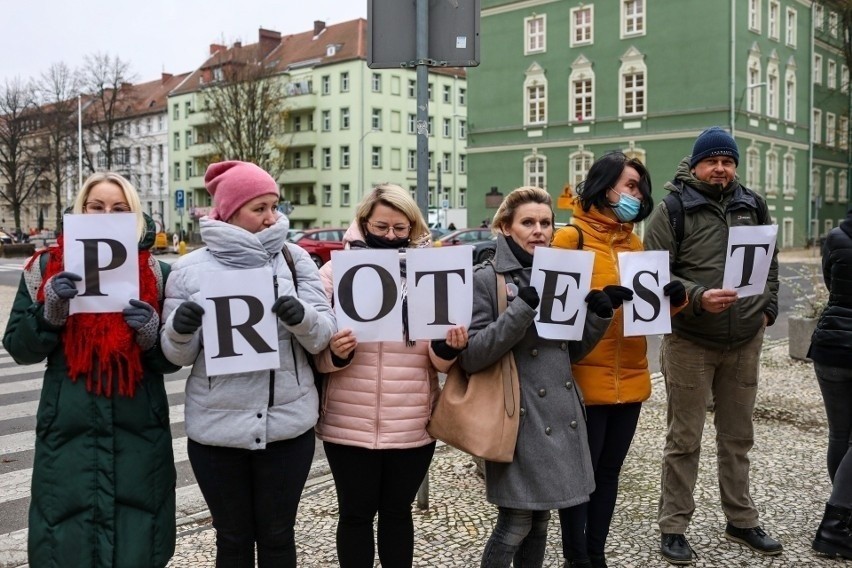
pixel 440 290
pixel 239 328
pixel 750 251
pixel 562 278
pixel 104 250
pixel 649 312
pixel 367 297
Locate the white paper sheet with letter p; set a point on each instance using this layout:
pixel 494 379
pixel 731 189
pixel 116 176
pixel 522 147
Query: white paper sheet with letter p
pixel 750 250
pixel 104 250
pixel 239 328
pixel 645 273
pixel 563 279
pixel 367 297
pixel 440 290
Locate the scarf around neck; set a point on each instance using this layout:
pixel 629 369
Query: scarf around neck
pixel 236 247
pixel 101 346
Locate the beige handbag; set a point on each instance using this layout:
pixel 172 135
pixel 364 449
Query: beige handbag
pixel 479 413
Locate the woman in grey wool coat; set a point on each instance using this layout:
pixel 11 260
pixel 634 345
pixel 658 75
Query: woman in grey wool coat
pixel 552 467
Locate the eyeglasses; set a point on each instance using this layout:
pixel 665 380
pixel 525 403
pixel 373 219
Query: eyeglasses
pixel 383 228
pixel 98 207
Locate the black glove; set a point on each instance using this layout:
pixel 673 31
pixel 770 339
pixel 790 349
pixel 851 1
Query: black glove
pixel 444 351
pixel 676 292
pixel 57 292
pixel 617 295
pixel 289 310
pixel 529 295
pixel 142 317
pixel 187 317
pixel 599 303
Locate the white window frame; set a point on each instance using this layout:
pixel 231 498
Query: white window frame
pixel 326 158
pixel 843 133
pixel 447 94
pixel 535 170
pixel 412 123
pixel 791 23
pixel 771 173
pixel 581 72
pixel 753 168
pixel 582 31
pixel 829 187
pixel 816 181
pixel 817 69
pixel 376 119
pixel 819 16
pixel 376 157
pixel 535 97
pixel 789 175
pixel 345 118
pixel 579 164
pixel 462 96
pixel 753 75
pixel 462 129
pixel 535 34
pixel 462 163
pixel 831 74
pixel 326 195
pixel 447 128
pixel 773 23
pixel 816 126
pixel 412 160
pixel 633 15
pixel 376 82
pixel 830 129
pixel 844 78
pixel 772 89
pixel 790 95
pixel 345 194
pixel 833 23
pixel 842 189
pixel 344 82
pixel 754 15
pixel 326 120
pixel 632 65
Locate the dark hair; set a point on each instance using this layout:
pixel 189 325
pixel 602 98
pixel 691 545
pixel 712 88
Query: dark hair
pixel 603 176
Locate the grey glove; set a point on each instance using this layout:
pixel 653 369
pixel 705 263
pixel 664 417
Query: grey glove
pixel 142 317
pixel 289 310
pixel 187 317
pixel 57 293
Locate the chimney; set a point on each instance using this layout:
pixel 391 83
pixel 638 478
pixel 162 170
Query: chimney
pixel 238 44
pixel 319 26
pixel 268 40
pixel 216 48
pixel 166 77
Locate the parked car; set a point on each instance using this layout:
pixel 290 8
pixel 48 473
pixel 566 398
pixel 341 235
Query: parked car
pixel 6 238
pixel 465 237
pixel 484 250
pixel 318 242
pixel 437 233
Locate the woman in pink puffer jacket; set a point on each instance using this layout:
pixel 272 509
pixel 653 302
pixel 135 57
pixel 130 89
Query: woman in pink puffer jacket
pixel 377 400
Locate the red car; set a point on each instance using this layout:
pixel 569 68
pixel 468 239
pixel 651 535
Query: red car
pixel 318 242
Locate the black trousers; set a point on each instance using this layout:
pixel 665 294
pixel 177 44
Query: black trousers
pixel 371 482
pixel 585 527
pixel 253 497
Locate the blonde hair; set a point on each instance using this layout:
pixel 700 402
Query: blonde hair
pixel 521 196
pixel 130 196
pixel 397 198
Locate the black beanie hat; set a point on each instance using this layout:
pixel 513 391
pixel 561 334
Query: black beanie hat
pixel 714 142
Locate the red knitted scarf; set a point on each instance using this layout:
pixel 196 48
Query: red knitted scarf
pixel 101 346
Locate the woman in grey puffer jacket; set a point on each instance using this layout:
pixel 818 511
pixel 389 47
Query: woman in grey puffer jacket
pixel 251 437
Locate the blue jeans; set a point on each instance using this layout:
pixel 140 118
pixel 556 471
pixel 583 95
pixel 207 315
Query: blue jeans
pixel 253 496
pixel 836 386
pixel 519 539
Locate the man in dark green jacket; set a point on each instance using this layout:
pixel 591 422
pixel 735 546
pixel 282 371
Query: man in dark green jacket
pixel 713 353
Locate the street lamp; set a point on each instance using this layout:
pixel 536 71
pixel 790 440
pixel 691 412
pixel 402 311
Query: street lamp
pixel 361 162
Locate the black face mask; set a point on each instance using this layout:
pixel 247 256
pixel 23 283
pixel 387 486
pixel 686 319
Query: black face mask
pixel 385 243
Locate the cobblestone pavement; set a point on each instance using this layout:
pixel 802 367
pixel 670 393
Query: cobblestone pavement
pixel 789 486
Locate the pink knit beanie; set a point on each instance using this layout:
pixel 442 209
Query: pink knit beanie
pixel 232 184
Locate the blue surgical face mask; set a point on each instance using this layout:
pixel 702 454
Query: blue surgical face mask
pixel 627 207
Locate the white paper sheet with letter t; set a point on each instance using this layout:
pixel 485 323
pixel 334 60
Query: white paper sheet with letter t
pixel 750 251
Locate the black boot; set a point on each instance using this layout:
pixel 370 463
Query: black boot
pixel 598 561
pixel 834 536
pixel 577 564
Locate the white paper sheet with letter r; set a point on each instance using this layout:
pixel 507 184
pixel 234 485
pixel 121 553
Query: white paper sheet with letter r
pixel 239 328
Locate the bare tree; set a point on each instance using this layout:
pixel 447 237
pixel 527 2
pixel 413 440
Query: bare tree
pixel 107 81
pixel 21 164
pixel 247 111
pixel 57 91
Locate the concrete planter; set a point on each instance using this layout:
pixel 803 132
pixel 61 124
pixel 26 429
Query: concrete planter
pixel 799 331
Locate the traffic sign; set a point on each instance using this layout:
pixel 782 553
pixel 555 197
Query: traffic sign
pixel 180 198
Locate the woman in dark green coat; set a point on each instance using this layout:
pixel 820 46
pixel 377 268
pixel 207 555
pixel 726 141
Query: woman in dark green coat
pixel 103 488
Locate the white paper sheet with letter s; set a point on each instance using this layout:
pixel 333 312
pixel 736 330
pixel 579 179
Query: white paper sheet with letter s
pixel 104 250
pixel 239 328
pixel 440 290
pixel 646 273
pixel 750 250
pixel 563 279
pixel 367 297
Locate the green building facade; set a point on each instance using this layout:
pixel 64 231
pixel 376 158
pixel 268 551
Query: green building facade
pixel 561 82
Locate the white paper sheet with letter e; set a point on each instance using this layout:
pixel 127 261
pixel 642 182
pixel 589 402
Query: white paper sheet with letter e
pixel 648 313
pixel 750 251
pixel 367 297
pixel 104 250
pixel 563 279
pixel 440 290
pixel 239 328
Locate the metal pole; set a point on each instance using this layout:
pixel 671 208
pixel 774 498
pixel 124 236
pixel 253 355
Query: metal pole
pixel 422 35
pixel 79 141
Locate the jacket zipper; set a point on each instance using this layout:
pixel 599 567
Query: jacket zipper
pixel 379 393
pixel 618 336
pixel 272 371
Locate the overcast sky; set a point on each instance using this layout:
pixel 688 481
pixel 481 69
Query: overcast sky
pixel 152 35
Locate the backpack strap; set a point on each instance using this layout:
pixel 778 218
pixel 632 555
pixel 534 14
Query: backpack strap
pixel 579 235
pixel 674 205
pixel 288 258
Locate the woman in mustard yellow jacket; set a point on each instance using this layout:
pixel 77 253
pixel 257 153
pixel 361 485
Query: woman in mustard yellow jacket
pixel 614 377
